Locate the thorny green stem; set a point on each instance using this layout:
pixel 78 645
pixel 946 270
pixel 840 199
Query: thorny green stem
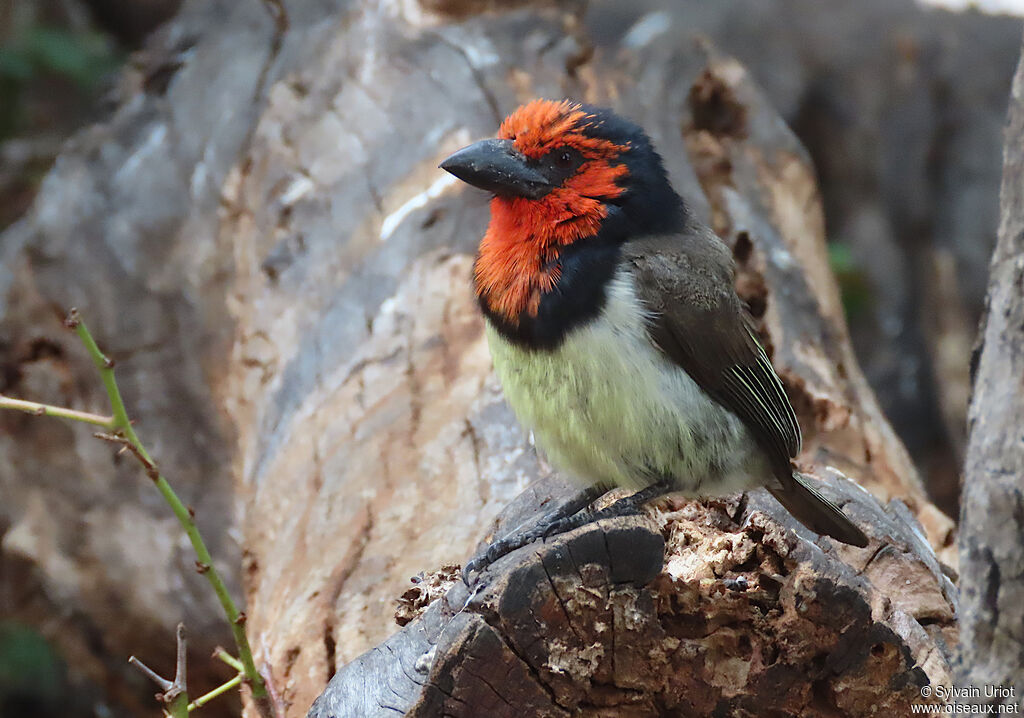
pixel 178 707
pixel 223 655
pixel 31 407
pixel 122 424
pixel 121 427
pixel 174 694
pixel 219 690
pixel 177 698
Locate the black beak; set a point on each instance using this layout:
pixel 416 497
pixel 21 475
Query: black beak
pixel 496 166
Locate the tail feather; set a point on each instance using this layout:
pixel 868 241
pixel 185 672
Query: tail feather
pixel 816 512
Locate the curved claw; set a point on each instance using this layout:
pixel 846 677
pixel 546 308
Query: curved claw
pixel 498 550
pixel 472 566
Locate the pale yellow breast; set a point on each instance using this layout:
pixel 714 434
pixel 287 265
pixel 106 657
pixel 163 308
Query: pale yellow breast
pixel 608 407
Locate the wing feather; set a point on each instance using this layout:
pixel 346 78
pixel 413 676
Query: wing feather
pixel 699 322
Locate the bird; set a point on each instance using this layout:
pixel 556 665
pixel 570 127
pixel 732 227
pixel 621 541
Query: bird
pixel 615 329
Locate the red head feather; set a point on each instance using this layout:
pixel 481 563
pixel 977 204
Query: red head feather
pixel 518 258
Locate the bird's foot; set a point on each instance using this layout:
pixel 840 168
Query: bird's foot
pixel 570 516
pixel 501 547
pixel 521 537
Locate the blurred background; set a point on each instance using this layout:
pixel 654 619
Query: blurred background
pixel 900 104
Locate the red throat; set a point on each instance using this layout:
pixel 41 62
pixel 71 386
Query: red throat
pixel 518 258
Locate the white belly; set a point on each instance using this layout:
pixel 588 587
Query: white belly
pixel 608 407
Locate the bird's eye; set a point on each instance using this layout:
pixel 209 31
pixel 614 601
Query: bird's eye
pixel 564 159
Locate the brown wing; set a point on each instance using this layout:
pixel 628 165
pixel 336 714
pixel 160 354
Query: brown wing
pixel 696 319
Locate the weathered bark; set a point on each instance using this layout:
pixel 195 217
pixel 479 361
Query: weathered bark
pixel 992 519
pixel 744 619
pixel 581 626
